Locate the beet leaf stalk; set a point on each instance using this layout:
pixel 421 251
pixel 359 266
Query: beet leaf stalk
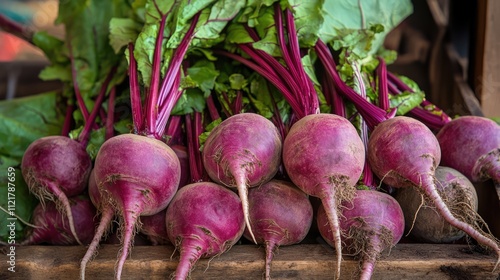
pixel 428 113
pixel 372 114
pixel 367 175
pixel 288 76
pixel 194 128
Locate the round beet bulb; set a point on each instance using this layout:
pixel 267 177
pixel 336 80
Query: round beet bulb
pixel 281 214
pixel 203 220
pixel 243 151
pixel 471 145
pixel 324 156
pixel 52 227
pixel 422 220
pixel 55 168
pixel 134 176
pixel 370 224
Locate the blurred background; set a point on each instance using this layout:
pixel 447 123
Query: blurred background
pixel 20 62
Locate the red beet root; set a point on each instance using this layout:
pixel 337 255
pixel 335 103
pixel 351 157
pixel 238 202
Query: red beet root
pixel 55 168
pixel 281 214
pixel 324 156
pixel 403 152
pixel 370 224
pixel 155 228
pixel 52 227
pixel 203 220
pixel 243 151
pixel 135 176
pixel 471 145
pixel 422 220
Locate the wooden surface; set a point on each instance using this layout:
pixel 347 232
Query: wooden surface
pixel 487 66
pixel 309 261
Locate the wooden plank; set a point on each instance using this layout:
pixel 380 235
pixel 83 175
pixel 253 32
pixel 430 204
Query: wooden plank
pixel 487 69
pixel 308 261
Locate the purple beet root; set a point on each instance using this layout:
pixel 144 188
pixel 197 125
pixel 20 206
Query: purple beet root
pixel 324 156
pixel 203 220
pixel 52 227
pixel 181 153
pixel 471 145
pixel 281 214
pixel 370 224
pixel 134 176
pixel 243 151
pixel 55 168
pixel 154 227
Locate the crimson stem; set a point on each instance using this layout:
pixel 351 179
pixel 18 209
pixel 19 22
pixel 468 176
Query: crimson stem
pixel 87 128
pixel 372 114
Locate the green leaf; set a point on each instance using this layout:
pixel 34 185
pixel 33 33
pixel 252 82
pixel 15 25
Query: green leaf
pixel 123 31
pixel 87 29
pixel 410 83
pixel 262 95
pixel 362 24
pixel 308 18
pixel 237 81
pixel 237 34
pixel 406 101
pixel 203 74
pixel 56 72
pixel 215 20
pixel 203 137
pixel 266 29
pixel 19 194
pixel 192 99
pixel 23 120
pixel 124 126
pixel 53 48
pixel 96 139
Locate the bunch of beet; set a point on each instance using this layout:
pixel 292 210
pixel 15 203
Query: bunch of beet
pixel 403 153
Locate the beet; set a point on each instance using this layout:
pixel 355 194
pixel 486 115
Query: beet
pixel 281 214
pixel 403 152
pixel 371 223
pixel 55 168
pixel 324 156
pixel 471 145
pixel 203 220
pixel 182 154
pixel 154 227
pixel 243 151
pixel 52 227
pixel 135 176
